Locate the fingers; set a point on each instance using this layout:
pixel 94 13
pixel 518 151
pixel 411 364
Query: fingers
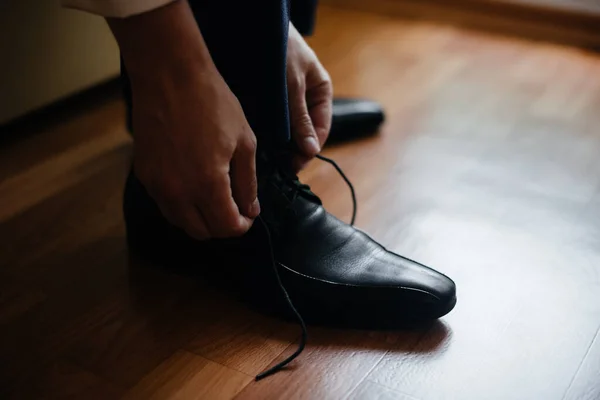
pixel 320 107
pixel 303 132
pixel 181 213
pixel 244 185
pixel 316 109
pixel 220 210
pixel 212 212
pixel 193 222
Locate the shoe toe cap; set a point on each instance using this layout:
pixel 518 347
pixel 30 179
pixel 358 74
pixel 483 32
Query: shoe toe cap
pixel 432 293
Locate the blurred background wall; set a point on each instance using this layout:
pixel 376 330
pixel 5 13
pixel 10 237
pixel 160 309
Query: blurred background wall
pixel 48 53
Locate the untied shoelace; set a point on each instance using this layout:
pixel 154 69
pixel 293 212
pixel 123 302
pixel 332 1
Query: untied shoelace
pixel 303 338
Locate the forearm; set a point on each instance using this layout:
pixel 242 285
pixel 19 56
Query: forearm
pixel 162 41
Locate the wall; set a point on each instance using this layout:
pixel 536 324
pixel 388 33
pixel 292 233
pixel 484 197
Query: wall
pixel 48 52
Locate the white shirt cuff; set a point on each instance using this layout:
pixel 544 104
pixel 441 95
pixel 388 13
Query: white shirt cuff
pixel 115 8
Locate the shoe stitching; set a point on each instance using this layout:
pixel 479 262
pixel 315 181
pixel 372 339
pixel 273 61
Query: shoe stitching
pixel 353 285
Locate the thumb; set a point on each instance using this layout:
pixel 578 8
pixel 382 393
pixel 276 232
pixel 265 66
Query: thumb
pixel 244 185
pixel 303 131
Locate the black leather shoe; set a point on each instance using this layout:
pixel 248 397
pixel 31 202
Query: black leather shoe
pixel 297 261
pixel 334 273
pixel 354 118
pixel 338 275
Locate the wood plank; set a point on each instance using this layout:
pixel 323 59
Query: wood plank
pixel 582 6
pixel 186 376
pixel 585 385
pixel 64 380
pixel 537 20
pixel 89 208
pixel 495 353
pixel 46 179
pixel 137 327
pixel 35 339
pixel 25 143
pixel 75 265
pixel 243 340
pixel 332 365
pixel 17 299
pixel 368 390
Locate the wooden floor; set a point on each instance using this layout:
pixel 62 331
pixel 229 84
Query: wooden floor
pixel 590 6
pixel 535 20
pixel 487 168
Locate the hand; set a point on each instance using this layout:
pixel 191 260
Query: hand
pixel 195 154
pixel 194 150
pixel 310 95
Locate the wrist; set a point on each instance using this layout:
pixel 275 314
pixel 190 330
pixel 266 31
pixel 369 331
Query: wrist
pixel 164 42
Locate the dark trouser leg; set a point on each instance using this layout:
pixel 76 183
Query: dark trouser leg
pixel 248 43
pixel 303 15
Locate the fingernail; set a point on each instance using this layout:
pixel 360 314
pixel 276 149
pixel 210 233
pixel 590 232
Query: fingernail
pixel 312 145
pixel 254 210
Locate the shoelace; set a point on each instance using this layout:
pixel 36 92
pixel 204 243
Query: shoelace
pixel 304 337
pixel 345 178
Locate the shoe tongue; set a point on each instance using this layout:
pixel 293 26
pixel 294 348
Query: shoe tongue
pixel 275 169
pixel 281 193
